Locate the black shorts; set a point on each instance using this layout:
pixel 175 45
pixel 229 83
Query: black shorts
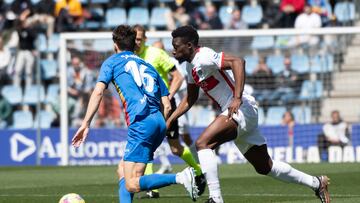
pixel 173 131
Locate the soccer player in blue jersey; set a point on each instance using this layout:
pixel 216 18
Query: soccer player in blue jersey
pixel 144 95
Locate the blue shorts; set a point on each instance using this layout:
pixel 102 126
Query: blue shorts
pixel 144 137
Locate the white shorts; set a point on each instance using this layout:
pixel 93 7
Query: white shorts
pixel 247 131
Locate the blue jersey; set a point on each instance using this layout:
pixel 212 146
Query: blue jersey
pixel 139 86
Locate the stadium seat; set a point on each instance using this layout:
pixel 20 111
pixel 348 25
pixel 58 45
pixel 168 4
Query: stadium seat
pixel 100 1
pixel 311 90
pixel 31 95
pixel 138 15
pixel 167 44
pixel 225 14
pixel 316 64
pixel 49 69
pixel 13 94
pixel 328 62
pixel 22 120
pixel 261 116
pixel 46 118
pixel 300 63
pixel 344 11
pixel 282 41
pixel 251 63
pixel 302 114
pixel 275 63
pixel 103 45
pixel 252 15
pixel 157 18
pixel 35 1
pixel 115 17
pixel 53 43
pixel 52 95
pixel 274 115
pixel 41 43
pixel 262 42
pixel 97 13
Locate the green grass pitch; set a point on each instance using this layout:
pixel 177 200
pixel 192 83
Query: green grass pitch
pixel 240 183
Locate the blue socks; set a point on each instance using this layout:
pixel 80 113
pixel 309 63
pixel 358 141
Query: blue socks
pixel 155 181
pixel 124 195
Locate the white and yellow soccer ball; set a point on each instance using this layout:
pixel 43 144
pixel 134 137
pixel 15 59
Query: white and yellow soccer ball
pixel 72 198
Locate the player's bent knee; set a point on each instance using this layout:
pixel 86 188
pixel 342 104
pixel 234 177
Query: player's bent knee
pixel 201 144
pixel 131 186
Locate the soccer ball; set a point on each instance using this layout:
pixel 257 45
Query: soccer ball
pixel 72 198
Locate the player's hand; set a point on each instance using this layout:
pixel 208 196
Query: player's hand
pixel 80 136
pixel 234 107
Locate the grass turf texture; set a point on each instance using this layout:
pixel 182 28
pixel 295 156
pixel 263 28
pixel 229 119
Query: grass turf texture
pixel 240 183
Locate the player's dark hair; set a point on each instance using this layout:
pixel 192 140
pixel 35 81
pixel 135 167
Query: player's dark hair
pixel 140 28
pixel 188 33
pixel 124 37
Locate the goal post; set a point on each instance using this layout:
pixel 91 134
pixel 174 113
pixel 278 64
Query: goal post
pixel 215 39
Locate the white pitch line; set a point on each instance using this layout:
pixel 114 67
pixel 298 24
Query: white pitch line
pixel 164 195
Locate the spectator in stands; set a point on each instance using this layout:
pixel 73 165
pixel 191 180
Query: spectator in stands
pixel 2 14
pixel 286 82
pixel 212 20
pixel 262 80
pixel 80 83
pixel 180 13
pixel 335 133
pixel 306 20
pixel 272 16
pixel 44 15
pixel 320 7
pixel 5 57
pixel 5 111
pixel 290 9
pixel 19 6
pixel 236 23
pixel 68 15
pixel 109 112
pixel 288 120
pixel 25 54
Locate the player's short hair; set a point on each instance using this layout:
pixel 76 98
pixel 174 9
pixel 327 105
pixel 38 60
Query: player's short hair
pixel 124 37
pixel 188 33
pixel 140 28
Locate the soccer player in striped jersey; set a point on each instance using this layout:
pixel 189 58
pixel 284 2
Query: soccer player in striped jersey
pixel 143 94
pixel 239 119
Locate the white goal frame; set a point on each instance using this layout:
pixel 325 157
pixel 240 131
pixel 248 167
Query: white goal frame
pixel 64 137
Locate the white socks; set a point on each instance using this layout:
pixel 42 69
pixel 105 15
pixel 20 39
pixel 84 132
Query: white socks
pixel 284 172
pixel 208 163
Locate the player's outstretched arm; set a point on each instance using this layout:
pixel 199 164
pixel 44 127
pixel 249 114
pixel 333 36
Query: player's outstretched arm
pixel 166 106
pixel 185 104
pixel 237 65
pixel 93 106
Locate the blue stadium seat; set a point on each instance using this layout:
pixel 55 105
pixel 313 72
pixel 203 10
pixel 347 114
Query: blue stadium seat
pixel 300 63
pixel 252 15
pixel 49 69
pixel 100 1
pixel 275 63
pixel 261 116
pixel 138 15
pixel 311 90
pixel 35 1
pixel 41 43
pixel 13 94
pixel 274 115
pixel 46 118
pixel 316 64
pixel 282 41
pixel 53 44
pixel 345 11
pixel 302 114
pixel 32 96
pixel 8 2
pixel 157 18
pixel 115 17
pixel 52 95
pixel 251 63
pixel 225 14
pixel 22 120
pixel 328 62
pixel 262 42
